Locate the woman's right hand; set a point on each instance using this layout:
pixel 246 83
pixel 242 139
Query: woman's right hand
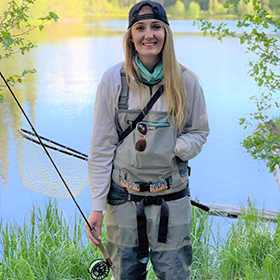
pixel 95 221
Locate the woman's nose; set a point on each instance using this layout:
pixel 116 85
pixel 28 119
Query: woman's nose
pixel 149 33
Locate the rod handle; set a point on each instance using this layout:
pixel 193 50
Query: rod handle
pixel 200 205
pixel 101 246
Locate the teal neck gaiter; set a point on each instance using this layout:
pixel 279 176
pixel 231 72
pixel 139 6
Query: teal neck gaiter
pixel 146 75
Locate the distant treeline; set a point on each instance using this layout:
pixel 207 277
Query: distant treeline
pixel 73 9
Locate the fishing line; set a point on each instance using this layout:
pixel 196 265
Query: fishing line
pixel 100 269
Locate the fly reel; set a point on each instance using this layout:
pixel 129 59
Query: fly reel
pixel 98 269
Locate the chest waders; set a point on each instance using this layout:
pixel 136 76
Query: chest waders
pixel 150 177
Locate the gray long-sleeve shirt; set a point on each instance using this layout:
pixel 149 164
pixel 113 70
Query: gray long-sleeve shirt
pixel 105 137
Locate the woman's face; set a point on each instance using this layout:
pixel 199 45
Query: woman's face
pixel 148 37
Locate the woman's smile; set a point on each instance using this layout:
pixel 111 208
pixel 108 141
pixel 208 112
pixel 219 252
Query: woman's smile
pixel 149 44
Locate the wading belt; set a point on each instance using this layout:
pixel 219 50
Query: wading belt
pixel 119 195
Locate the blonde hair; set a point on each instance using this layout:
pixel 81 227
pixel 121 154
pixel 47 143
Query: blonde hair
pixel 173 80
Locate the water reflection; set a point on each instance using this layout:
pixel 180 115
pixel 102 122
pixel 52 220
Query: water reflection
pixel 10 120
pixel 5 123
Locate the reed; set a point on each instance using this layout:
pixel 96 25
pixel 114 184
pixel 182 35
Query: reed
pixel 46 247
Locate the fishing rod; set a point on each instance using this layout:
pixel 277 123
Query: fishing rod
pixel 98 268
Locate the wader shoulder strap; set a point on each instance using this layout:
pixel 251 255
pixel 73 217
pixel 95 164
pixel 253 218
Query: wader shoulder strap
pixel 123 99
pixel 123 104
pixel 143 113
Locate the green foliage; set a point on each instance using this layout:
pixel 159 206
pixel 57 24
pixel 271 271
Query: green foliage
pixel 15 26
pixel 87 8
pixel 178 9
pixel 215 7
pixel 245 8
pixel 205 246
pixel 277 122
pixel 48 247
pixel 194 9
pixel 2 99
pixel 204 4
pixel 250 250
pixel 259 31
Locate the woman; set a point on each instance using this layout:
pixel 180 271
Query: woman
pixel 141 180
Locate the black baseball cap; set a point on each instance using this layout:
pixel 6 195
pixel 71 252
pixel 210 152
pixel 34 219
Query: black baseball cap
pixel 158 12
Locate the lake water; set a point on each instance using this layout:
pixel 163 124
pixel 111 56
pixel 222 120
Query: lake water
pixel 59 99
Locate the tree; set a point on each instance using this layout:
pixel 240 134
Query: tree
pixel 194 9
pixel 114 6
pixel 204 4
pixel 275 5
pixel 128 3
pixel 186 3
pixel 100 6
pixel 265 5
pixel 245 8
pixel 215 7
pixel 169 3
pixel 253 27
pixel 178 9
pixel 15 26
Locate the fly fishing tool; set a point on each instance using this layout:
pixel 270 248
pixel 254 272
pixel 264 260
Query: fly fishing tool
pixel 98 268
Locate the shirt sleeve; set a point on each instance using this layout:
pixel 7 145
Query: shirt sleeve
pixel 196 129
pixel 103 144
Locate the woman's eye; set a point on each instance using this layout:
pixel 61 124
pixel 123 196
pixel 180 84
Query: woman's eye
pixel 139 28
pixel 157 26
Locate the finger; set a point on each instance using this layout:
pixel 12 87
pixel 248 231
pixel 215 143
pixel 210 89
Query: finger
pixel 95 234
pixel 93 238
pixel 98 232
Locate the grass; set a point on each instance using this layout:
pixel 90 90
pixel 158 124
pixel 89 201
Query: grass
pixel 47 248
pixel 277 121
pixel 250 250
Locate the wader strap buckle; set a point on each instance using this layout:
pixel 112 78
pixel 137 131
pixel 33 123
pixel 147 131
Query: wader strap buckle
pixel 152 200
pixel 144 187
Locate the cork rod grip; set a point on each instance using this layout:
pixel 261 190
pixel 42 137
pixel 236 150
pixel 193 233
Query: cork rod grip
pixel 101 247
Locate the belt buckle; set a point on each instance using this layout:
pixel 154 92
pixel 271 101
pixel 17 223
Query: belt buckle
pixel 152 200
pixel 144 187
